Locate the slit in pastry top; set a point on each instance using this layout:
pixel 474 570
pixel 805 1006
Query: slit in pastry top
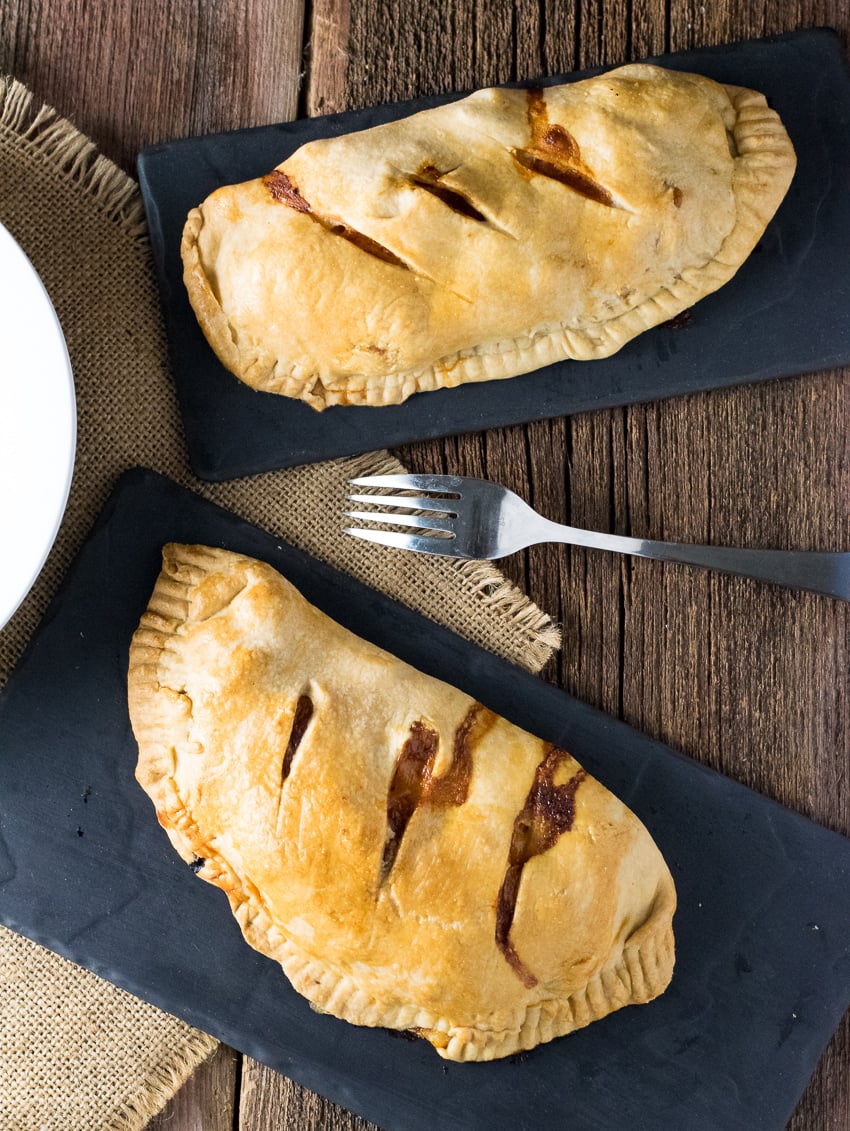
pixel 300 722
pixel 553 152
pixel 429 179
pixel 548 813
pixel 282 189
pixel 413 784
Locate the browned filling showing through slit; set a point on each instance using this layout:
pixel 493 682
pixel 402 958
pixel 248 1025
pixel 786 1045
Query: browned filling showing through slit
pixel 428 178
pixel 548 813
pixel 413 784
pixel 555 153
pixel 412 768
pixel 370 246
pixel 300 722
pixel 573 178
pixel 285 191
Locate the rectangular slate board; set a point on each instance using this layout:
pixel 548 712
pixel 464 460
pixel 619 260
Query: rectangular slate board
pixel 787 310
pixel 763 926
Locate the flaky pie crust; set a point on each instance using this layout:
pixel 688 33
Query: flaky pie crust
pixel 485 238
pixel 510 900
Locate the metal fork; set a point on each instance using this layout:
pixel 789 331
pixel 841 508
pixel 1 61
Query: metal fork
pixel 484 520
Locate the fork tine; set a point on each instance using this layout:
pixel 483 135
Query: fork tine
pixel 444 547
pixel 444 483
pixel 440 506
pixel 429 522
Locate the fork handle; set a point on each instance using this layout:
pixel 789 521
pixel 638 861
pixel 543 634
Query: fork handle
pixel 817 571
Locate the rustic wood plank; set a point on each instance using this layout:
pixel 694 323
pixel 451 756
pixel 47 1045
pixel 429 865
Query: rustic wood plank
pixel 750 680
pixel 131 74
pixel 268 1100
pixel 327 55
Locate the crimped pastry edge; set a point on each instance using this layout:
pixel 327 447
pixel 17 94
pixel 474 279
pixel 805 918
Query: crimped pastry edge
pixel 641 972
pixel 766 157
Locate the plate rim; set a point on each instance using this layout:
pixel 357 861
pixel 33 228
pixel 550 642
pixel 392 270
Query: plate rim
pixel 21 263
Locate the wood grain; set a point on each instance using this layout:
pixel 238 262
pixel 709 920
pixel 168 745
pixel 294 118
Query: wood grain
pixel 748 679
pixel 131 73
pixel 328 57
pixel 268 1100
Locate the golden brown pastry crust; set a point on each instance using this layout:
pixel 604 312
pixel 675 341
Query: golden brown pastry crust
pixel 411 859
pixel 485 238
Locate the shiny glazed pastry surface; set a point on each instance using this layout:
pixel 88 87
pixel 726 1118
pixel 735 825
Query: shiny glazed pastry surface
pixel 485 238
pixel 411 859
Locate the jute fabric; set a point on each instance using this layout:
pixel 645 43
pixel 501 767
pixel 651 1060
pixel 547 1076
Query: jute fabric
pixel 76 1053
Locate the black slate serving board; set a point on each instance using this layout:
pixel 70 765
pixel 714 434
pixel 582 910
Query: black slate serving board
pixel 785 312
pixel 763 926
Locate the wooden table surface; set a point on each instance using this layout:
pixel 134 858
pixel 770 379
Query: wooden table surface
pixel 749 679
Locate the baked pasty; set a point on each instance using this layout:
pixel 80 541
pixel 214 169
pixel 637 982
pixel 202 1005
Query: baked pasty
pixel 411 859
pixel 485 238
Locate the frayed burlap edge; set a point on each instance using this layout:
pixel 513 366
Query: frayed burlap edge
pixel 32 964
pixel 71 155
pixel 164 1082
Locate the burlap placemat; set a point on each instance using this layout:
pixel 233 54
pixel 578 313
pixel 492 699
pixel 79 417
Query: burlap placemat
pixel 77 1054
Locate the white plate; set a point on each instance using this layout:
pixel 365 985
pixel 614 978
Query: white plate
pixel 38 425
